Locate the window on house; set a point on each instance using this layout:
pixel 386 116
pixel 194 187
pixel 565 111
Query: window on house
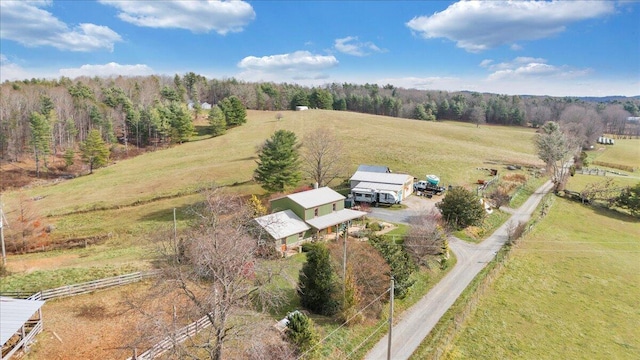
pixel 301 235
pixel 334 206
pixel 315 212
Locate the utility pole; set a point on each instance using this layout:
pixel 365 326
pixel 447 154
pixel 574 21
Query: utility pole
pixel 344 263
pixel 390 319
pixel 2 221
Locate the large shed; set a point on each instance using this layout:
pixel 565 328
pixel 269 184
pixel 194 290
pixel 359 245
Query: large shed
pixel 402 184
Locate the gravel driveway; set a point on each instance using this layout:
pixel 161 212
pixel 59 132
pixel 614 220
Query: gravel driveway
pixel 415 205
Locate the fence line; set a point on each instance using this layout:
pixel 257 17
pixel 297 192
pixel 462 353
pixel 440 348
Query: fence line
pixel 446 335
pixel 86 287
pixel 170 341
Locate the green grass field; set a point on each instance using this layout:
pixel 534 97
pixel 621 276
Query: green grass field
pixel 132 196
pixel 569 291
pixel 625 152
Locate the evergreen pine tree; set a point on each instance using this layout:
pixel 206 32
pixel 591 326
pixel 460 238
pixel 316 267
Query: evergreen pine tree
pixel 301 332
pixel 217 121
pixel 317 284
pixel 94 151
pixel 278 162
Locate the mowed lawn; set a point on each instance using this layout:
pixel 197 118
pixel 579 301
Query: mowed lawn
pixel 571 290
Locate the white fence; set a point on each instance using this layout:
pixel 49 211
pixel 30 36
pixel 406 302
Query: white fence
pixel 170 341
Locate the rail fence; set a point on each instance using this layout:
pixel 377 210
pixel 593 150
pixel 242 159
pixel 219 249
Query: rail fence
pixel 83 288
pixel 444 335
pixel 170 341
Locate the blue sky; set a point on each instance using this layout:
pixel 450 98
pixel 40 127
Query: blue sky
pixel 557 48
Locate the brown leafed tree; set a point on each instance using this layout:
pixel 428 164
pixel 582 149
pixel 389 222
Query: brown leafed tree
pixel 214 268
pixel 323 156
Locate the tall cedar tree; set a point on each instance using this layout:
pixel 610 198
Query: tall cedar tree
pixel 40 138
pixel 94 151
pixel 461 208
pixel 217 121
pixel 317 281
pixel 279 162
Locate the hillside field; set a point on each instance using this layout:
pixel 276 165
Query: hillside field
pixel 569 290
pixel 133 197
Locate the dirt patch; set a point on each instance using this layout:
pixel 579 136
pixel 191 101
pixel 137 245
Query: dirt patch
pixel 100 325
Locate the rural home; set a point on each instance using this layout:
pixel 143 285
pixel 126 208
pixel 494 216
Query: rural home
pixel 401 184
pixel 300 216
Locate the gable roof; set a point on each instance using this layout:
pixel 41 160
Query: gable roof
pixel 384 178
pixel 282 224
pixel 316 197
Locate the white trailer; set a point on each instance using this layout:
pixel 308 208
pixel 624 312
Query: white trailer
pixel 375 197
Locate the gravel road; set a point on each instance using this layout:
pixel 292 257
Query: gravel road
pixel 415 324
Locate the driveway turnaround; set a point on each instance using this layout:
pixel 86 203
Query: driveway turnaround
pixel 414 325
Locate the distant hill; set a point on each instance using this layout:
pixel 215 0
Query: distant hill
pixel 608 98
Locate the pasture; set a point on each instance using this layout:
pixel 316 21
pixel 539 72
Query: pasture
pixel 132 198
pixel 625 152
pixel 569 290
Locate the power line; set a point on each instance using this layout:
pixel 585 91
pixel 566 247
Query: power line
pixel 343 324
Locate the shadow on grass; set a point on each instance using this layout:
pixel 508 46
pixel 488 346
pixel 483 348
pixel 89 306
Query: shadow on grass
pixel 183 213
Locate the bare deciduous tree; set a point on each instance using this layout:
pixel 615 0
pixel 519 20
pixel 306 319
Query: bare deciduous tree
pixel 214 269
pixel 323 156
pixel 426 237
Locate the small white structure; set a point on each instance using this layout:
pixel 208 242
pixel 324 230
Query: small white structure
pixel 20 319
pixel 301 108
pixel 205 106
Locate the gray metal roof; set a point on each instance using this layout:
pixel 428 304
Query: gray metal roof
pixel 335 218
pixel 13 314
pixel 383 178
pixel 378 186
pixel 374 168
pixel 316 197
pixel 282 224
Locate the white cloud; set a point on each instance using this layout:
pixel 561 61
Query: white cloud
pixel 480 25
pixel 197 16
pixel 299 65
pixel 351 46
pixel 107 70
pixel 522 68
pixel 28 24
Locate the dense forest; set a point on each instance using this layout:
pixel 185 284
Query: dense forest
pixel 53 116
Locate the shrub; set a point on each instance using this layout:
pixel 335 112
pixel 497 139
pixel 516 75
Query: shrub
pixel 301 332
pixel 461 208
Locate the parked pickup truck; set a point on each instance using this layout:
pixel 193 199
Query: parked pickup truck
pixel 428 188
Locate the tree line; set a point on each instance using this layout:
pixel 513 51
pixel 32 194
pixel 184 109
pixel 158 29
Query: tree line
pixel 152 110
